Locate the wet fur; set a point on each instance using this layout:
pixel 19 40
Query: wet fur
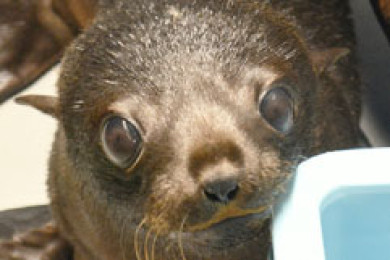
pixel 189 74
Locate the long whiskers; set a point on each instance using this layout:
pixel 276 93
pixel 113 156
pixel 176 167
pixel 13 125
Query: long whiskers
pixel 136 239
pixel 180 238
pixel 146 242
pixel 154 243
pixel 154 231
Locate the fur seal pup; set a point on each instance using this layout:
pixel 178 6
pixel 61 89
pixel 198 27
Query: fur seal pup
pixel 180 121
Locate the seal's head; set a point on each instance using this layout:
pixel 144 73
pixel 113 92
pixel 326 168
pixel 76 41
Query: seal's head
pixel 178 126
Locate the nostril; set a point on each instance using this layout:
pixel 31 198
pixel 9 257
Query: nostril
pixel 222 191
pixel 211 196
pixel 232 194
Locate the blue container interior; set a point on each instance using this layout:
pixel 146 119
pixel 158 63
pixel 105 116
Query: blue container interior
pixel 356 223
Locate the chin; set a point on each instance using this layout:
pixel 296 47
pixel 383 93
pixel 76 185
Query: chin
pixel 232 239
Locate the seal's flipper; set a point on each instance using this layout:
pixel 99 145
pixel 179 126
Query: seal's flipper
pixel 41 243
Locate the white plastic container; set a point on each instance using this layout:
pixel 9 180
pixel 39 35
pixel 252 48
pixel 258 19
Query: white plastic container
pixel 338 208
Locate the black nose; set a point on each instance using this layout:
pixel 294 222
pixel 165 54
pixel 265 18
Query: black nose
pixel 222 191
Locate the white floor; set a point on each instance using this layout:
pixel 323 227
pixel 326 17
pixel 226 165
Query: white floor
pixel 25 140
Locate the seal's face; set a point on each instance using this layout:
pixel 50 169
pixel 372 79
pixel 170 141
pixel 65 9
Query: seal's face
pixel 181 126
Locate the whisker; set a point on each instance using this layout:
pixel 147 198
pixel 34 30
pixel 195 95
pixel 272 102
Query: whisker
pixel 156 229
pixel 154 243
pixel 180 238
pixel 136 236
pixel 146 241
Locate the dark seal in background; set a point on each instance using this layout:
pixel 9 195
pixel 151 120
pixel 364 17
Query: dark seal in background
pixel 373 51
pixel 20 220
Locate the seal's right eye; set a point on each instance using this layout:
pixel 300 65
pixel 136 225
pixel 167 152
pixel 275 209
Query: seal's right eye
pixel 121 141
pixel 277 108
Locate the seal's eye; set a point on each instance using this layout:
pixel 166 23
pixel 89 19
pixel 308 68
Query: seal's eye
pixel 121 141
pixel 277 108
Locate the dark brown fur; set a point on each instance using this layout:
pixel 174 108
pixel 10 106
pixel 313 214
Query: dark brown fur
pixel 190 74
pixel 33 35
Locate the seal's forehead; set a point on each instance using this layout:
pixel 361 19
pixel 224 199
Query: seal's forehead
pixel 166 47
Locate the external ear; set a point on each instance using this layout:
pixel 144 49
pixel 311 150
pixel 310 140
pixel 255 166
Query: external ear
pixel 45 104
pixel 325 59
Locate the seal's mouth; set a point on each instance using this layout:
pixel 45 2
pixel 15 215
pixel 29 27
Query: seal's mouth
pixel 239 237
pixel 229 236
pixel 227 227
pixel 230 214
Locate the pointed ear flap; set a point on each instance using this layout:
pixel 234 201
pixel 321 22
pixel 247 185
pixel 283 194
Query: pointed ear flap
pixel 325 59
pixel 45 104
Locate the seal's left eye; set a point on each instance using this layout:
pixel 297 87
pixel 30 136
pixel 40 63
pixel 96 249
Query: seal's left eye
pixel 277 108
pixel 121 141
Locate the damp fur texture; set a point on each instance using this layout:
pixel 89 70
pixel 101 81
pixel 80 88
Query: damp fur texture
pixel 190 75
